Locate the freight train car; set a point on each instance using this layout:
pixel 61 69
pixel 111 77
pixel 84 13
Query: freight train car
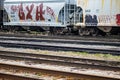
pixel 34 13
pixel 85 17
pixel 103 14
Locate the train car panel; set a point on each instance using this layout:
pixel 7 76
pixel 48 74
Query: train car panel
pixel 100 12
pixel 34 13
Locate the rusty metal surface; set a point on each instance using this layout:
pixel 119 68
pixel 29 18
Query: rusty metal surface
pixel 56 73
pixel 114 65
pixel 7 76
pixel 50 71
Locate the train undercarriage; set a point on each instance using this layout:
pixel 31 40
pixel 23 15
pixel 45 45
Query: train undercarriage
pixel 70 30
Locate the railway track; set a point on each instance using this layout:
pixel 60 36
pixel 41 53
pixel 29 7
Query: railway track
pixel 8 76
pixel 61 41
pixel 60 44
pixel 73 37
pixel 57 60
pixel 48 72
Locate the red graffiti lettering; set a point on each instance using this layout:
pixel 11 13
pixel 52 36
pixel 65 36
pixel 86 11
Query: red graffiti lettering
pixel 29 16
pixel 25 12
pixel 40 12
pixel 14 8
pixel 50 11
pixel 118 19
pixel 21 13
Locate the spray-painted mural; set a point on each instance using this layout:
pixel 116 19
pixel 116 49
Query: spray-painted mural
pixel 105 11
pixel 118 19
pixel 91 20
pixel 26 12
pixel 33 11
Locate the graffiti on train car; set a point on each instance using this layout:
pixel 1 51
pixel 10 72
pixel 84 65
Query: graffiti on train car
pixel 91 20
pixel 40 11
pixel 118 19
pixel 109 19
pixel 106 18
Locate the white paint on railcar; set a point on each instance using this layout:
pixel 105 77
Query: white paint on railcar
pixel 35 24
pixel 34 14
pixel 33 0
pixel 107 12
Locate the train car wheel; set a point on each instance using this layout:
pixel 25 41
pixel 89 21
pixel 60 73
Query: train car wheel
pixel 81 32
pixel 94 32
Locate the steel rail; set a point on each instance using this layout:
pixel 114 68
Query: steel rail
pixel 57 62
pixel 59 48
pixel 62 58
pixel 57 72
pixel 8 76
pixel 62 41
pixel 62 37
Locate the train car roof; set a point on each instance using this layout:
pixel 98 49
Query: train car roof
pixel 30 0
pixel 67 1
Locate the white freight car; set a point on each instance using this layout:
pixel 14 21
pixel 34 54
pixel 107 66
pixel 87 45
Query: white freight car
pixel 85 16
pixel 34 12
pixel 103 13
